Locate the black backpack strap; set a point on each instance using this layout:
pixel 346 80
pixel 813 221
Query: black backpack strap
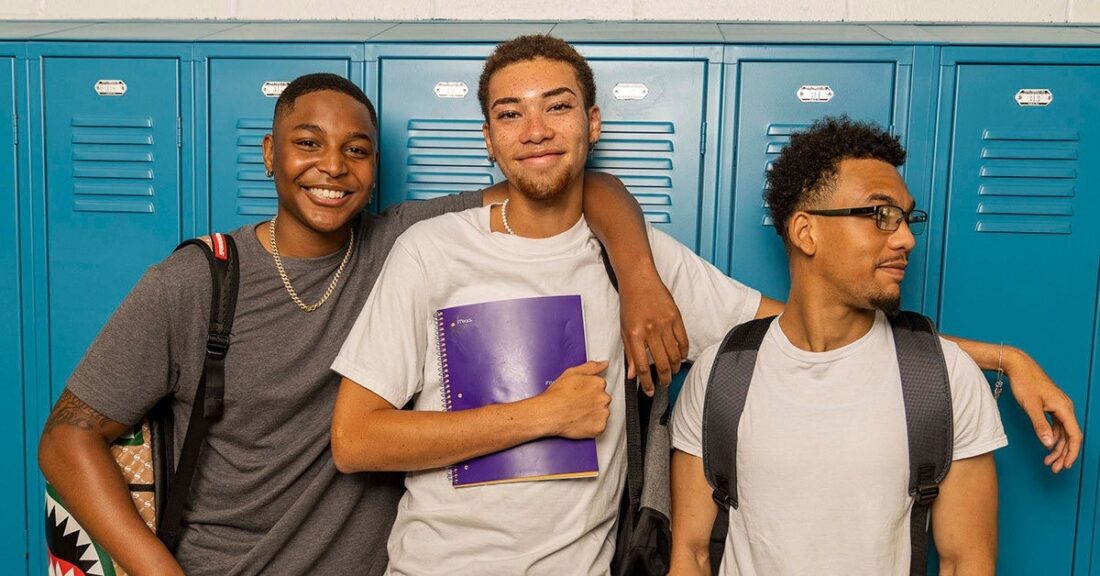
pixel 929 421
pixel 727 390
pixel 208 404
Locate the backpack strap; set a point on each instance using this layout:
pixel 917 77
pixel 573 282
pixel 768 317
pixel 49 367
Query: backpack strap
pixel 926 392
pixel 727 390
pixel 208 405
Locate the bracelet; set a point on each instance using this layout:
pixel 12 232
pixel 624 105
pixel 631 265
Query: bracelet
pixel 999 383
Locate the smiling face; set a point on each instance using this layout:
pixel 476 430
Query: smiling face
pixel 538 128
pixel 323 155
pixel 864 266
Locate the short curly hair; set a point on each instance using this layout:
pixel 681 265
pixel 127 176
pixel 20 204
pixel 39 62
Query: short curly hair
pixel 806 170
pixel 532 47
pixel 317 82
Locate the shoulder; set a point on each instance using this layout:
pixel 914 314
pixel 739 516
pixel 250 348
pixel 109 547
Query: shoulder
pixel 443 228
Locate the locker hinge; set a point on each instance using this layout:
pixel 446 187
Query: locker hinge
pixel 15 129
pixel 179 132
pixel 703 139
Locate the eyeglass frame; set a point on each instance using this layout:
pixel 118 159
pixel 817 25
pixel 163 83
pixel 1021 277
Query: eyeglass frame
pixel 880 221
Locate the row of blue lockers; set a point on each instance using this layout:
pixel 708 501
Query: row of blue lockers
pixel 126 138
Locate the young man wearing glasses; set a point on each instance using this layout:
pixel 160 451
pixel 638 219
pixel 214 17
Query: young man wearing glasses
pixel 821 454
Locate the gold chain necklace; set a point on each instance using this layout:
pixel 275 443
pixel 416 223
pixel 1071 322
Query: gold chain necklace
pixel 286 281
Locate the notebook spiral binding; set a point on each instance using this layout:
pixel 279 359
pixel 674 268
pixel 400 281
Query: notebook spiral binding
pixel 444 381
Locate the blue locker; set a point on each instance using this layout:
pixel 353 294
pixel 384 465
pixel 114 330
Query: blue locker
pixel 774 92
pixel 13 537
pixel 241 86
pixel 1021 264
pixel 653 113
pixel 113 169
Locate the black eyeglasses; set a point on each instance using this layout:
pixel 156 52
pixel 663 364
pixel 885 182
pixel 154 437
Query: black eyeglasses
pixel 887 217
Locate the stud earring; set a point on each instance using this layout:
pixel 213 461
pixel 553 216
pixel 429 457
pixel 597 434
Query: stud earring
pixel 270 173
pixel 492 159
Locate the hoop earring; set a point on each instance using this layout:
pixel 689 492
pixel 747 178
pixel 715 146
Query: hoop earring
pixel 270 173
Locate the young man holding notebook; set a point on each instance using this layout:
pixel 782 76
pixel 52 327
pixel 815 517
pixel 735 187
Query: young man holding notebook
pixel 266 498
pixel 538 97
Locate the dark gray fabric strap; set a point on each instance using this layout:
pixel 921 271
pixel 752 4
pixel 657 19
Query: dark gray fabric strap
pixel 727 390
pixel 929 422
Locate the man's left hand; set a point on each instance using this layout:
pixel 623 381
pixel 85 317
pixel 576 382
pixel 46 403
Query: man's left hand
pixel 1038 396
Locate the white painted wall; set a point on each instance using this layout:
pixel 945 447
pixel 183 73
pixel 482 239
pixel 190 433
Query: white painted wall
pixel 1038 11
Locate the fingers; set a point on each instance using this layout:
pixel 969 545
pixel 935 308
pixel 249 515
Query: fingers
pixel 1064 417
pixel 1040 424
pixel 679 332
pixel 590 368
pixel 638 361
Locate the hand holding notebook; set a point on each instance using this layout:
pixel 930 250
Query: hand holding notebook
pixel 577 405
pixel 512 350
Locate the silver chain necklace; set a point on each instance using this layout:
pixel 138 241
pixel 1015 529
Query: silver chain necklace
pixel 286 281
pixel 504 217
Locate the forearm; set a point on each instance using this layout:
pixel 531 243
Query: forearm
pixel 616 219
pixel 79 465
pixel 968 566
pixel 687 561
pixel 990 356
pixel 409 440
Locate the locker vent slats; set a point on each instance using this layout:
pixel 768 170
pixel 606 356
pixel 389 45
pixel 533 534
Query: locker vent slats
pixel 113 164
pixel 255 191
pixel 448 155
pixel 1027 181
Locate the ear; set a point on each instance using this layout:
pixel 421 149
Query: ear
pixel 595 124
pixel 802 233
pixel 269 152
pixel 488 141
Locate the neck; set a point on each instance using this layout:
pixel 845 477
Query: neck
pixel 541 218
pixel 299 242
pixel 816 320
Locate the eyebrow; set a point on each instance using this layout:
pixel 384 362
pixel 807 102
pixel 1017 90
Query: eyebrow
pixel 547 94
pixel 878 197
pixel 351 135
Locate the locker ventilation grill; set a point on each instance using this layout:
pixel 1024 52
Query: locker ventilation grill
pixel 778 137
pixel 255 191
pixel 113 164
pixel 1027 181
pixel 448 155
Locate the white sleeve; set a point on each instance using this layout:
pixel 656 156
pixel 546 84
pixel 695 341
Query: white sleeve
pixel 386 348
pixel 687 416
pixel 978 427
pixel 710 302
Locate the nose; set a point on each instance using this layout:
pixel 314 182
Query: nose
pixel 332 162
pixel 902 238
pixel 536 130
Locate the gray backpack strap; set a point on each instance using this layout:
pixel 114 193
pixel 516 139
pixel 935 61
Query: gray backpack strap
pixel 727 390
pixel 929 421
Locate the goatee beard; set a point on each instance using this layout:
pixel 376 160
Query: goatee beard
pixel 544 188
pixel 888 304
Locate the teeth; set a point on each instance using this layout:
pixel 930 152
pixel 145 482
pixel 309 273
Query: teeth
pixel 326 193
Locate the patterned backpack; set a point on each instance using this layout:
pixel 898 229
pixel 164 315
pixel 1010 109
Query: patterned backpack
pixel 144 454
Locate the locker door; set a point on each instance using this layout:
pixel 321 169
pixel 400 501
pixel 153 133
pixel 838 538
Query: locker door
pixel 112 189
pixel 652 128
pixel 774 100
pixel 13 540
pixel 242 95
pixel 1021 263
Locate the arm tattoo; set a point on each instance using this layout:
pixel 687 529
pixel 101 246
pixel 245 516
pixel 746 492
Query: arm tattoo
pixel 72 411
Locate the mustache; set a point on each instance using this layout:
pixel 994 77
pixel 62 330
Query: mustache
pixel 903 260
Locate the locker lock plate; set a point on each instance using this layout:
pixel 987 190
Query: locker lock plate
pixel 1034 97
pixel 274 88
pixel 815 93
pixel 110 87
pixel 451 90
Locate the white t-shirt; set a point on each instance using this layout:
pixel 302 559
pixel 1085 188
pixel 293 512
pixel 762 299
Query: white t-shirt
pixel 822 453
pixel 547 527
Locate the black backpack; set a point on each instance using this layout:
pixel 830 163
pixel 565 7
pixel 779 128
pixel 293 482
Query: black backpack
pixel 927 397
pixel 145 454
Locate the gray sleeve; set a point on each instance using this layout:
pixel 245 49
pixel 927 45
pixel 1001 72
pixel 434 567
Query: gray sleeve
pixel 130 367
pixel 405 214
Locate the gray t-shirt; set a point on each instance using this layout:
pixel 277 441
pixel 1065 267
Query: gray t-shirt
pixel 266 497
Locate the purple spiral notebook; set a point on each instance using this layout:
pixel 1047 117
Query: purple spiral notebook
pixel 509 350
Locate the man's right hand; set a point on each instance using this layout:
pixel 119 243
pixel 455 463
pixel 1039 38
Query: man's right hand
pixel 577 404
